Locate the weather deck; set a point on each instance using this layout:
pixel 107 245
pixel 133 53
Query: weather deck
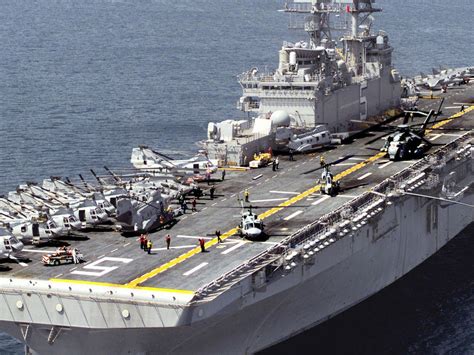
pixel 115 259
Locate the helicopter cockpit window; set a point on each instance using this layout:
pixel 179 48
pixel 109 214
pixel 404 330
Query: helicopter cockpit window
pixel 7 243
pixel 23 229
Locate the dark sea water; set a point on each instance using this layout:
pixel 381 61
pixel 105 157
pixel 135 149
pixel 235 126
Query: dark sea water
pixel 82 82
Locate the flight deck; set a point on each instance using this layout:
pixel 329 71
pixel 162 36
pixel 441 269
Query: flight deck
pixel 286 200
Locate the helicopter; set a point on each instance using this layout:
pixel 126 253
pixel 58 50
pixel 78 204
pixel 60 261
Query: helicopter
pixel 31 230
pixel 145 158
pixel 9 244
pixel 328 185
pixel 250 227
pixel 406 141
pixel 33 207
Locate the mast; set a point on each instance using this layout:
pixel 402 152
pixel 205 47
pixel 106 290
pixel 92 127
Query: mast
pixel 317 22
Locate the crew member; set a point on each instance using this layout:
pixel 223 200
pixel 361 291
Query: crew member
pixel 223 175
pixel 168 241
pixel 321 161
pixel 211 191
pixel 202 244
pixel 277 163
pixel 149 245
pixel 246 195
pixel 145 243
pixel 218 235
pixel 142 241
pixel 193 205
pixel 291 158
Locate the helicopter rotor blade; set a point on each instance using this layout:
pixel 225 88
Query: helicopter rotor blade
pixel 379 137
pixel 337 161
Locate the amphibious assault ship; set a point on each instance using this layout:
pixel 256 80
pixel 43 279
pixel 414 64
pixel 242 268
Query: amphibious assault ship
pixel 321 253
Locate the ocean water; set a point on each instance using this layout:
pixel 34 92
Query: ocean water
pixel 82 82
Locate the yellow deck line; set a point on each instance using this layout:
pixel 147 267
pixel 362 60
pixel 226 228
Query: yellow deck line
pixel 105 284
pixel 266 214
pixel 456 115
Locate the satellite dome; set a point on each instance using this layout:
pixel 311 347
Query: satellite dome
pixel 280 118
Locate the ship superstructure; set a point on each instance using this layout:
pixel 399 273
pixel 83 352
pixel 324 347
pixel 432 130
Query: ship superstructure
pixel 317 82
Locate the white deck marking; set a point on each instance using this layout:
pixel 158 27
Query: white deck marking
pixel 267 180
pixel 205 208
pixel 74 268
pixel 274 176
pixel 177 247
pixel 317 202
pixel 345 164
pixel 18 261
pixel 284 192
pixel 215 203
pixel 267 242
pixel 364 176
pixel 293 215
pixel 200 266
pixel 39 251
pixel 238 245
pixel 384 165
pixel 192 237
pixel 284 229
pixel 271 199
pixel 257 177
pixel 183 218
pixel 101 270
pixel 435 136
pixel 125 245
pixel 101 256
pixel 358 159
pixel 58 275
pixel 114 250
pixel 453 108
pixel 346 196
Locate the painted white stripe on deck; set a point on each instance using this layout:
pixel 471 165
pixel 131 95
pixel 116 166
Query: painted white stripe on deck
pixel 284 192
pixel 293 215
pixel 345 164
pixel 271 199
pixel 238 245
pixel 317 202
pixel 178 247
pixel 385 164
pixel 358 159
pixel 364 176
pixel 18 261
pixel 192 237
pixel 39 251
pixel 435 136
pixel 453 108
pixel 200 266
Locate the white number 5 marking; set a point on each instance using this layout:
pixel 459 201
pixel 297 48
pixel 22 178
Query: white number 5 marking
pixel 101 270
